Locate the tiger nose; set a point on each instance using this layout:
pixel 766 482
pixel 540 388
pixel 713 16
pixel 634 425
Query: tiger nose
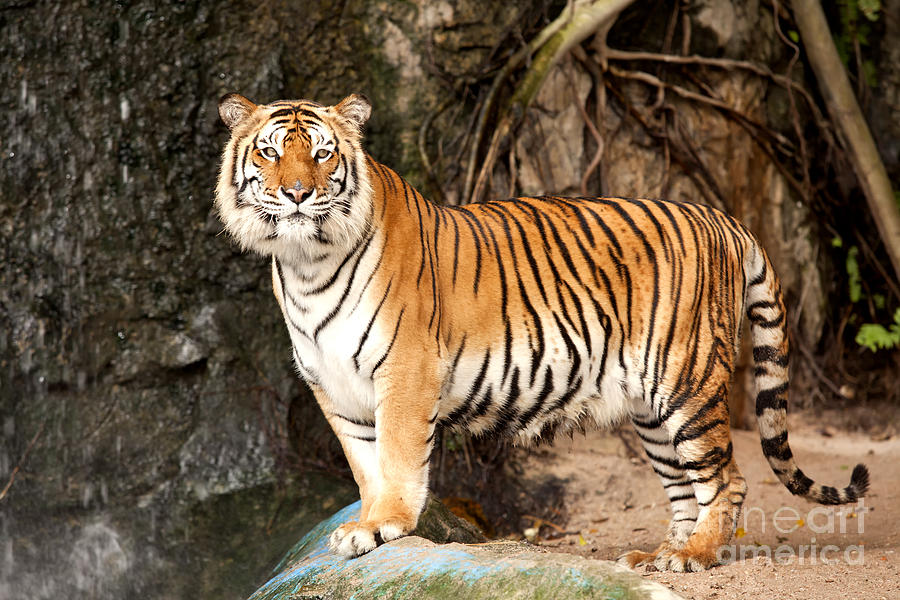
pixel 298 193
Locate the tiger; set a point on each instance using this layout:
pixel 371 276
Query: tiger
pixel 510 319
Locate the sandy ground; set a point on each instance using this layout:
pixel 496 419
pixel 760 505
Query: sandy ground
pixel 614 502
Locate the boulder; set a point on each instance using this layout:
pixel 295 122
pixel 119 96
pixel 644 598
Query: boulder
pixel 453 562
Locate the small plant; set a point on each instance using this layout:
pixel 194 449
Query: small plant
pixel 854 281
pixel 877 337
pixel 873 336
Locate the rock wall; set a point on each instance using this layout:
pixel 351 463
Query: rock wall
pixel 141 347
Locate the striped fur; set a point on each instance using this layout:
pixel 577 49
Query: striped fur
pixel 520 318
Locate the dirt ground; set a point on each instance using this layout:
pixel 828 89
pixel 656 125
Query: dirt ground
pixel 785 547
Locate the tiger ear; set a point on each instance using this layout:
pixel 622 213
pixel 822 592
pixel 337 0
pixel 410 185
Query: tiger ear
pixel 234 108
pixel 356 108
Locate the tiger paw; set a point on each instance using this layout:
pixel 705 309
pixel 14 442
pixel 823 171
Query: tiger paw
pixel 669 558
pixel 678 561
pixel 684 561
pixel 354 538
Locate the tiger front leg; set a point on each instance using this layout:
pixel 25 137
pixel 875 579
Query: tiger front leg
pixel 357 438
pixel 397 485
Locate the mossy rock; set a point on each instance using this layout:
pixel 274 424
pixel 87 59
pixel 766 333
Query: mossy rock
pixel 455 563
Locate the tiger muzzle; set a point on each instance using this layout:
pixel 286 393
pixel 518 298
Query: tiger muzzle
pixel 298 195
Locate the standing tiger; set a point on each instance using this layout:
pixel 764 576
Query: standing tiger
pixel 518 317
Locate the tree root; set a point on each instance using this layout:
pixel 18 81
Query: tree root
pixel 579 20
pixel 726 64
pixel 511 65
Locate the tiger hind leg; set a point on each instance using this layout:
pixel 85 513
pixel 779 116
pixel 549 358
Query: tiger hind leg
pixel 679 488
pixel 702 440
pixel 691 451
pixel 720 492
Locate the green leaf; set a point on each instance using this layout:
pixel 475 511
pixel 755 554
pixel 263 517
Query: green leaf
pixel 876 337
pixel 795 37
pixel 870 8
pixel 837 242
pixel 862 34
pixel 853 275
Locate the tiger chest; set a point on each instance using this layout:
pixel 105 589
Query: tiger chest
pixel 329 361
pixel 334 345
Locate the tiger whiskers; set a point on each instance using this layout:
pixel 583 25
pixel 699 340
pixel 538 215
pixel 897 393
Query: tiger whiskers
pixel 344 225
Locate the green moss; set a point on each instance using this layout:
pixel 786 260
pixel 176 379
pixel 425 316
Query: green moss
pixel 531 584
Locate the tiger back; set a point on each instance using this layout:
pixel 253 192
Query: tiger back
pixel 519 317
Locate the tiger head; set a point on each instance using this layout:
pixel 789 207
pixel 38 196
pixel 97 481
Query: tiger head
pixel 293 179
